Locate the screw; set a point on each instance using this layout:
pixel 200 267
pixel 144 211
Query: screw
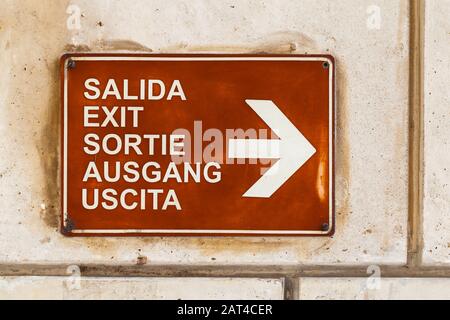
pixel 69 226
pixel 71 64
pixel 325 226
pixel 326 65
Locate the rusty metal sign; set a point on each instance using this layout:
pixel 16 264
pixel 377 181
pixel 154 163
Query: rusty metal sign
pixel 194 145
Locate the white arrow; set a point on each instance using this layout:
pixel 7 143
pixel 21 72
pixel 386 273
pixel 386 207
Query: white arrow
pixel 292 149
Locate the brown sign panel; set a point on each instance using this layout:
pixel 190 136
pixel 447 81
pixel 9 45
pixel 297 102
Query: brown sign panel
pixel 197 145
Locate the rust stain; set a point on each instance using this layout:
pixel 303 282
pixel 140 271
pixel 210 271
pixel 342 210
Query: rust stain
pixel 77 48
pixel 119 44
pixel 49 154
pixel 141 260
pixel 342 157
pixel 109 45
pixel 28 96
pixel 268 48
pixel 101 246
pixel 276 43
pixel 207 246
pixel 50 160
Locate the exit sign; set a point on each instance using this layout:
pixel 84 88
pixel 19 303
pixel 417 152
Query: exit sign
pixel 195 145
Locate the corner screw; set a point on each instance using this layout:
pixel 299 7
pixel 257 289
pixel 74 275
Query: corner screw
pixel 71 64
pixel 326 65
pixel 69 226
pixel 325 227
